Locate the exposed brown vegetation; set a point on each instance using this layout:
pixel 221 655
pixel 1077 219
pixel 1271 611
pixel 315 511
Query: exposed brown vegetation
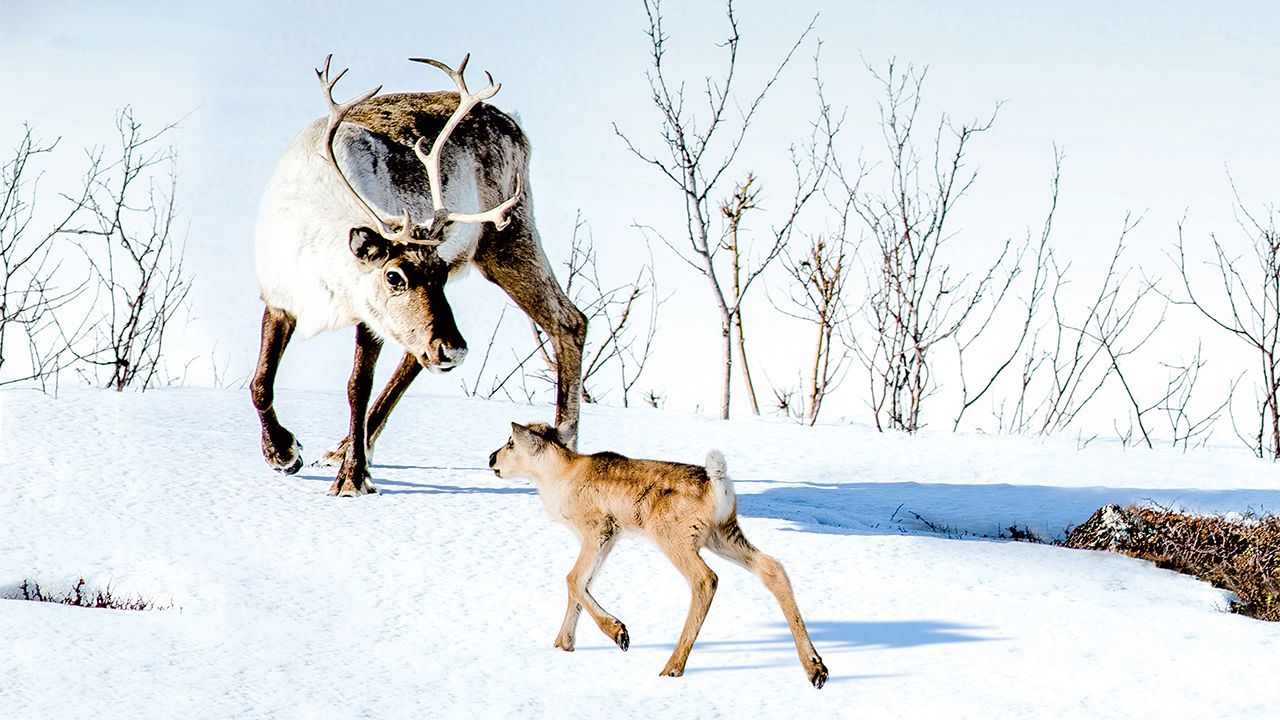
pixel 1241 555
pixel 79 596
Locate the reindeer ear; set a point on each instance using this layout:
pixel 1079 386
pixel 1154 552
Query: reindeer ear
pixel 367 245
pixel 526 438
pixel 567 433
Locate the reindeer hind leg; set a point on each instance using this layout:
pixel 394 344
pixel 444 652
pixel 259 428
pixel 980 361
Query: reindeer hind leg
pixel 513 260
pixel 729 543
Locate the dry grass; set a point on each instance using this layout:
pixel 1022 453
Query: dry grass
pixel 80 597
pixel 1240 554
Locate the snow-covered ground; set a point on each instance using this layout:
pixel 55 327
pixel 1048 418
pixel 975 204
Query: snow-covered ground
pixel 441 596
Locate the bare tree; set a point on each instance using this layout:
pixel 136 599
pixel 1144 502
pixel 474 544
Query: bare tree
pixel 135 256
pixel 1247 307
pixel 915 299
pixel 816 295
pixel 699 146
pixel 744 199
pixel 30 291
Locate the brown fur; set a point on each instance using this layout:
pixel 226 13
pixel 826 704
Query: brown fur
pixel 682 508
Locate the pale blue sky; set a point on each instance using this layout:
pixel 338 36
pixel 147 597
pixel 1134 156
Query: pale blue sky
pixel 1151 101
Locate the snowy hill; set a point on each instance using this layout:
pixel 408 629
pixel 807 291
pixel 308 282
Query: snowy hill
pixel 441 596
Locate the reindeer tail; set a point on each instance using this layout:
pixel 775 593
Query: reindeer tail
pixel 721 486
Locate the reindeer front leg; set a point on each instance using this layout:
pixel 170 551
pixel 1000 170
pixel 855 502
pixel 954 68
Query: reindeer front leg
pixel 279 447
pixel 403 376
pixel 595 548
pixel 353 475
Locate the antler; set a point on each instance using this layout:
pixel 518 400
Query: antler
pixel 466 101
pixel 336 113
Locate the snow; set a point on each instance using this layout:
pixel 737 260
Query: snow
pixel 441 596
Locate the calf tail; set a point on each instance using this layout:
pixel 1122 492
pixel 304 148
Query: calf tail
pixel 721 486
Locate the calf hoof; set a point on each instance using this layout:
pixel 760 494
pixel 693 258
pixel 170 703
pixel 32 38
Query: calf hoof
pixel 817 672
pixel 622 638
pixel 672 671
pixel 565 644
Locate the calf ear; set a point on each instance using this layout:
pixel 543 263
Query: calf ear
pixel 526 438
pixel 367 245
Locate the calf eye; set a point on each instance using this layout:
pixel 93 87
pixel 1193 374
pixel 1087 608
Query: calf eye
pixel 396 280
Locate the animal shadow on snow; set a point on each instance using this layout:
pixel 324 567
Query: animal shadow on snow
pixel 387 486
pixel 959 510
pixel 827 635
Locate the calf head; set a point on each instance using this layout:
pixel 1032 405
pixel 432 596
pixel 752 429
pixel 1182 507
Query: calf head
pixel 525 450
pixel 402 290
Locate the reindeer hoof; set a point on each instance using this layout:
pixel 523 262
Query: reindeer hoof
pixel 818 673
pixel 353 490
pixel 622 638
pixel 295 467
pixel 287 462
pixel 565 645
pixel 334 457
pixel 352 484
pixel 670 671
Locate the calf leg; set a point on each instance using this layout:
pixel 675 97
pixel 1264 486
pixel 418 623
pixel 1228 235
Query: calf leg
pixel 728 542
pixel 406 371
pixel 702 585
pixel 594 551
pixel 279 447
pixel 353 474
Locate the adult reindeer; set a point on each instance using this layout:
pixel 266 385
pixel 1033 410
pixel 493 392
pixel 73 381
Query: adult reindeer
pixel 330 255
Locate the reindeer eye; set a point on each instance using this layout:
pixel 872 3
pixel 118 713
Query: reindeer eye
pixel 396 280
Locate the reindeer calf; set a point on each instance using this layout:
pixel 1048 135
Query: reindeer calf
pixel 682 508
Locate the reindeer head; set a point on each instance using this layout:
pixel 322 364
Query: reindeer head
pixel 526 449
pixel 402 288
pixel 402 275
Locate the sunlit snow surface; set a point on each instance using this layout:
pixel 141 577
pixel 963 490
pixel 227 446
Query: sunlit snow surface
pixel 441 596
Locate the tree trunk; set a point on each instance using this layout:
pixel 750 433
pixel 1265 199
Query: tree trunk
pixel 746 369
pixel 727 346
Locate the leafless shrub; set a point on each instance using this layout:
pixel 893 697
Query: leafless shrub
pixel 1172 409
pixel 1187 431
pixel 784 403
pixel 1247 307
pixel 611 311
pixel 32 291
pixel 1033 258
pixel 78 596
pixel 1240 553
pixel 135 256
pixel 816 296
pixel 694 160
pixel 915 299
pixel 1063 374
pixel 617 342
